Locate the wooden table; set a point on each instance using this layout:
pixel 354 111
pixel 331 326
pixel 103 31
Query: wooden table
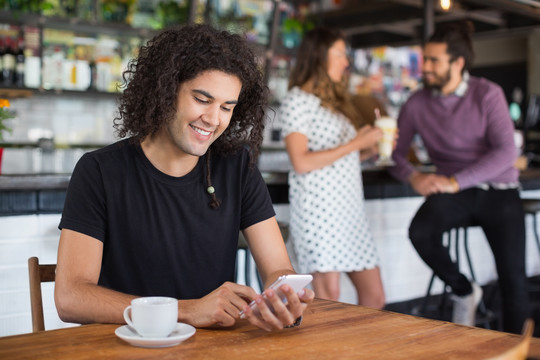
pixel 330 330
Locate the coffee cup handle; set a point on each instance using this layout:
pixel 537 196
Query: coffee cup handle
pixel 127 317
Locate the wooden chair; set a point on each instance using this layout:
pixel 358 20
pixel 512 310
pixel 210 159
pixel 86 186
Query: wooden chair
pixel 521 350
pixel 38 274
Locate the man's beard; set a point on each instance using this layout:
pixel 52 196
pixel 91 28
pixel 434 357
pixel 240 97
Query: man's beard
pixel 438 82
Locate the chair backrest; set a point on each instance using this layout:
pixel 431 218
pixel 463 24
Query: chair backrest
pixel 521 350
pixel 38 274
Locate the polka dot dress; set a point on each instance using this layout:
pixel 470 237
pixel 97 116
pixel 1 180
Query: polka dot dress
pixel 328 225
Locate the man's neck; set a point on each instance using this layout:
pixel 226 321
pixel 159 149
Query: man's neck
pixel 167 158
pixel 452 85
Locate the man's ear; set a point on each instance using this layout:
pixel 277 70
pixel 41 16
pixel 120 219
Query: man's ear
pixel 459 63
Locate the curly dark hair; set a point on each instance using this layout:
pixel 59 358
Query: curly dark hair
pixel 177 55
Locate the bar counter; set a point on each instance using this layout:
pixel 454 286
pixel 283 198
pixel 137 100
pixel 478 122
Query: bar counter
pixel 45 193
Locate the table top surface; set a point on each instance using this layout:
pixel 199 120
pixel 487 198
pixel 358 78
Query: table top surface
pixel 330 330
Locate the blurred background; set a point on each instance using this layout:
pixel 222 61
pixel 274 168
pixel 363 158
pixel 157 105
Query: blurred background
pixel 61 72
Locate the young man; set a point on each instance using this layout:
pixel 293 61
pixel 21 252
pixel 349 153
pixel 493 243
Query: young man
pixel 466 128
pixel 159 213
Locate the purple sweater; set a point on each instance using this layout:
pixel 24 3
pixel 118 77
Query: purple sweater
pixel 469 137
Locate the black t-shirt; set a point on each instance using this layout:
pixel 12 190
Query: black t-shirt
pixel 160 236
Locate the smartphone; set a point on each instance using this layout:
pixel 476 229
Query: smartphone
pixel 296 281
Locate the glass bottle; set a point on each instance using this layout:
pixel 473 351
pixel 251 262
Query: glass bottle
pixel 19 63
pixel 9 64
pixel 2 51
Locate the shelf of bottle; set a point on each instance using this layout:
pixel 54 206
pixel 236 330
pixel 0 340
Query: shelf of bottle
pixel 55 146
pixel 13 93
pixel 9 93
pixel 95 27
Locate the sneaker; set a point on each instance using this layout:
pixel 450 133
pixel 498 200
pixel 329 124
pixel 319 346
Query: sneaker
pixel 465 306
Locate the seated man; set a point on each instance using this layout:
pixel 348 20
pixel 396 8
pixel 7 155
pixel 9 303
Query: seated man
pixel 159 213
pixel 468 133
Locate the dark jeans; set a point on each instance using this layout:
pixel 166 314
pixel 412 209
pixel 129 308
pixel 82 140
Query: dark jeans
pixel 500 214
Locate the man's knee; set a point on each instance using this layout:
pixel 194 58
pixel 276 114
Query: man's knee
pixel 420 233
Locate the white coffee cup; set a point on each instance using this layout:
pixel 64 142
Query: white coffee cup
pixel 154 316
pixel 389 127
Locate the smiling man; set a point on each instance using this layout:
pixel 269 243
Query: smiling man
pixel 158 213
pixel 466 128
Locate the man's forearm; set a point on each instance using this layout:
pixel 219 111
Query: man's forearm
pixel 89 303
pixel 274 275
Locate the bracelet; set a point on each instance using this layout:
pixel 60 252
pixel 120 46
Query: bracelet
pixel 454 183
pixel 296 323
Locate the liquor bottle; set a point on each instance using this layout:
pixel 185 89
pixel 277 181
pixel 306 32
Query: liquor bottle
pixel 53 60
pixel 9 64
pixel 93 75
pixel 84 73
pixel 58 58
pixel 32 69
pixel 69 70
pixel 2 51
pixel 19 63
pixel 32 58
pixel 47 70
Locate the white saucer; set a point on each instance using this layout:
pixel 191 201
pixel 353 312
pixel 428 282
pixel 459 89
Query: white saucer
pixel 181 333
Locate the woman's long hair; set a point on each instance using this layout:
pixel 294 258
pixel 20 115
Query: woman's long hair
pixel 312 65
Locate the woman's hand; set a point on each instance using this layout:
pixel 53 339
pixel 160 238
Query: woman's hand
pixel 367 137
pixel 369 152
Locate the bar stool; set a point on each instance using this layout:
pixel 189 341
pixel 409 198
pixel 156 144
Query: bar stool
pixel 484 315
pixel 243 249
pixel 532 207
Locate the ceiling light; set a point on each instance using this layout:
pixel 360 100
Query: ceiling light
pixel 446 4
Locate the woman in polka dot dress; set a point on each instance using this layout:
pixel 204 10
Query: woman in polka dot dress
pixel 328 226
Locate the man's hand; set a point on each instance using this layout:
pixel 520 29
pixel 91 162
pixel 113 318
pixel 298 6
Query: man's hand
pixel 221 307
pixel 428 184
pixel 283 315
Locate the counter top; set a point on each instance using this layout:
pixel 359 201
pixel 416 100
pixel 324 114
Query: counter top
pixel 34 182
pixel 530 179
pixel 45 193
